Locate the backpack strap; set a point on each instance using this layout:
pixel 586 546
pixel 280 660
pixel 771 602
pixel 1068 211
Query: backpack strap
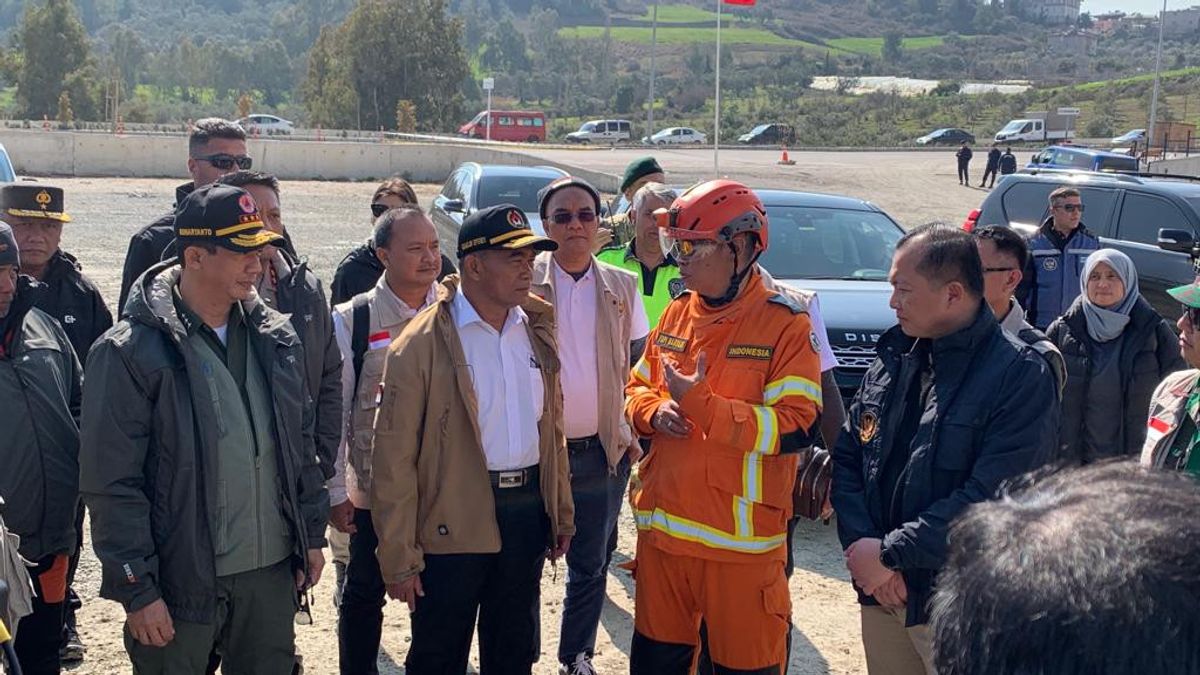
pixel 359 333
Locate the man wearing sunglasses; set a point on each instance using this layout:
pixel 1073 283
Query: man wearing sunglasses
pixel 1173 428
pixel 215 147
pixel 601 328
pixel 729 392
pixel 1057 251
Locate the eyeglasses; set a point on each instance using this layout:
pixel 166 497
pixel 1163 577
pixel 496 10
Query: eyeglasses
pixel 998 269
pixel 1070 208
pixel 303 613
pixel 565 217
pixel 1193 316
pixel 378 209
pixel 226 162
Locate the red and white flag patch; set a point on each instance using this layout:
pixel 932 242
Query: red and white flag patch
pixel 379 340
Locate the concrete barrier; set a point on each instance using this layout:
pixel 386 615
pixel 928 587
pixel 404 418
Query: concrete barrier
pixel 61 153
pixel 1180 166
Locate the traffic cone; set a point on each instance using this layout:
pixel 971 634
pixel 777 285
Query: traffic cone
pixel 784 160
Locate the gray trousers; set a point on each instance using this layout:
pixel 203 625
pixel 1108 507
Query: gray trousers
pixel 253 632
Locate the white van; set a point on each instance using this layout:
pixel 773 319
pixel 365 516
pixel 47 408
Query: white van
pixel 602 131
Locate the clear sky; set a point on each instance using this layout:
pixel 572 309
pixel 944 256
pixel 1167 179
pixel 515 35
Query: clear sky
pixel 1134 6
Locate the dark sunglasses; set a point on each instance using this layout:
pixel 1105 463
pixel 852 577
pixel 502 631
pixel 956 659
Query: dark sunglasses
pixel 226 162
pixel 1193 316
pixel 379 209
pixel 1069 208
pixel 998 269
pixel 563 218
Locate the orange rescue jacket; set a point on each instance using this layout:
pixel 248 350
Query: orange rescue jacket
pixel 726 491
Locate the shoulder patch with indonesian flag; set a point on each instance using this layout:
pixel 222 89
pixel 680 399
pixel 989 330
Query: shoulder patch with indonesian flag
pixel 379 340
pixel 1155 430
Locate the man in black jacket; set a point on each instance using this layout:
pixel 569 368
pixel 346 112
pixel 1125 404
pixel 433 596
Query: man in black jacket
pixel 215 147
pixel 1008 162
pixel 37 214
pixel 993 163
pixel 360 270
pixel 963 156
pixel 951 408
pixel 39 450
pixel 198 462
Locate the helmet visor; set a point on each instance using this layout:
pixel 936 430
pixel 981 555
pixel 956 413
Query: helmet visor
pixel 680 243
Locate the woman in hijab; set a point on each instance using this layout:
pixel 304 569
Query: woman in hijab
pixel 1117 350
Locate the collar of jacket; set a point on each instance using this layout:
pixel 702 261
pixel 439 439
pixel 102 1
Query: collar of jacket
pixel 1142 319
pixel 62 265
pixel 1052 234
pixel 539 312
pixel 182 192
pixel 151 303
pixel 953 351
pixel 29 291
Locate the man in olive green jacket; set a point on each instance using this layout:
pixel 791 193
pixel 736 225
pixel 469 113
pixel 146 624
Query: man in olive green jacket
pixel 470 478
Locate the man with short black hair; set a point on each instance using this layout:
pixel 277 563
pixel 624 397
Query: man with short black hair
pixel 407 246
pixel 950 409
pixel 198 463
pixel 1091 571
pixel 1004 254
pixel 1057 251
pixel 215 147
pixel 1008 162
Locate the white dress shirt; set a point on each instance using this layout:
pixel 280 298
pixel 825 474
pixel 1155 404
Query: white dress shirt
pixel 575 307
pixel 508 385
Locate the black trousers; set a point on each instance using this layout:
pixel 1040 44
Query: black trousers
pixel 360 616
pixel 39 635
pixel 989 171
pixel 503 588
pixel 964 175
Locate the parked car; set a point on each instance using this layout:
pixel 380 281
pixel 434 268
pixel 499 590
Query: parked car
pixel 1130 137
pixel 473 186
pixel 675 135
pixel 7 174
pixel 769 134
pixel 517 126
pixel 1085 159
pixel 946 137
pixel 1127 212
pixel 602 131
pixel 841 248
pixel 266 124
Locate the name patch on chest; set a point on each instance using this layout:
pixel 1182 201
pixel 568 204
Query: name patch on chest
pixel 671 343
pixel 756 352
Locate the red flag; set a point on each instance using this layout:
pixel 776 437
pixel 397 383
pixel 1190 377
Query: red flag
pixel 744 3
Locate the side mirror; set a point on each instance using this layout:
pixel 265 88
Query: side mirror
pixel 1179 241
pixel 454 206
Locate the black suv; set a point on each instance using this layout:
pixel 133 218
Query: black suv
pixel 1155 220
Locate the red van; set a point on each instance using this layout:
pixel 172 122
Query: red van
pixel 520 126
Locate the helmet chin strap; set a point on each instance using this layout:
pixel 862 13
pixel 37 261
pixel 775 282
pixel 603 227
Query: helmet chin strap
pixel 735 280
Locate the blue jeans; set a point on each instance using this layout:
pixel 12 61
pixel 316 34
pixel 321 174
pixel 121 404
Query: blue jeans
pixel 598 497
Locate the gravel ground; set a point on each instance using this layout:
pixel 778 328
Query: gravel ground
pixel 327 219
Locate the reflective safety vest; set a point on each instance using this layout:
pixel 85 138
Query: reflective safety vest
pixel 1057 274
pixel 664 286
pixel 725 491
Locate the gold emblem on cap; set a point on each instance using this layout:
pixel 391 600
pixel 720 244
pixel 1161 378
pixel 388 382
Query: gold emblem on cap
pixel 43 199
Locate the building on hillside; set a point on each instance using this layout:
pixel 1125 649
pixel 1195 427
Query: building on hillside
pixel 1107 24
pixel 1075 41
pixel 1051 11
pixel 1182 23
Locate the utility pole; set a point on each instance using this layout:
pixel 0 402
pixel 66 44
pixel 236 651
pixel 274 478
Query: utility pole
pixel 653 49
pixel 1162 22
pixel 717 106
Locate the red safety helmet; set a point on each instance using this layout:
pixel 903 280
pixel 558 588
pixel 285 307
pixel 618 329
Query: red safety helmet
pixel 717 210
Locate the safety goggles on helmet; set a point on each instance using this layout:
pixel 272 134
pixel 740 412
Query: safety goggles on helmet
pixel 685 243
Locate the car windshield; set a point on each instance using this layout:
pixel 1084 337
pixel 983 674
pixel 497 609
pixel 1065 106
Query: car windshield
pixel 520 191
pixel 820 243
pixel 759 129
pixel 939 132
pixel 588 126
pixel 1014 125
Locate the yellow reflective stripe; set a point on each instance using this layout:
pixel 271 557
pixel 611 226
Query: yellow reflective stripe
pixel 792 386
pixel 642 371
pixel 766 439
pixel 690 530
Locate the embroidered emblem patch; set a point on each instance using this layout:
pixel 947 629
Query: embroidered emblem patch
pixel 671 343
pixel 868 426
pixel 675 287
pixel 247 203
pixel 1050 264
pixel 756 352
pixel 815 341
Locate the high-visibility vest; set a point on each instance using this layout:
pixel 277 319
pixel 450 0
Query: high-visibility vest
pixel 667 283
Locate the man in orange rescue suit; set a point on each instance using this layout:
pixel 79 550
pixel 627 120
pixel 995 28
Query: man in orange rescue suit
pixel 728 391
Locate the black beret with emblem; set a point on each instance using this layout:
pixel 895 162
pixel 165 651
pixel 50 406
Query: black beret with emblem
pixel 24 200
pixel 503 226
pixel 221 215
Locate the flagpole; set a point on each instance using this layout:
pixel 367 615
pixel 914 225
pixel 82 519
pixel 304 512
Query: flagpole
pixel 717 113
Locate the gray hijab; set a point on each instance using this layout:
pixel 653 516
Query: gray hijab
pixel 1103 324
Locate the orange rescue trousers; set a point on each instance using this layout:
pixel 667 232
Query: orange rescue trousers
pixel 747 607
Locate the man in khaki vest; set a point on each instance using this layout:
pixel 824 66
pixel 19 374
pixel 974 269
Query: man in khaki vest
pixel 407 245
pixel 601 331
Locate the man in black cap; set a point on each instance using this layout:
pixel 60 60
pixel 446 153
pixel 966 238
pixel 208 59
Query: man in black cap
pixel 36 214
pixel 198 463
pixel 39 449
pixel 470 479
pixel 215 147
pixel 620 226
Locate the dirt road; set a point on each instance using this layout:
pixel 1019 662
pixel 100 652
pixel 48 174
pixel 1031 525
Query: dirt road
pixel 327 219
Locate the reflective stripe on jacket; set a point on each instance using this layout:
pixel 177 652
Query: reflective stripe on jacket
pixel 1056 273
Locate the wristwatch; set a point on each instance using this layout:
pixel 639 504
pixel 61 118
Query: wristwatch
pixel 888 559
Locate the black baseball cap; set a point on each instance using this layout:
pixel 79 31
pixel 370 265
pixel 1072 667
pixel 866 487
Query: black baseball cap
pixel 503 226
pixel 221 215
